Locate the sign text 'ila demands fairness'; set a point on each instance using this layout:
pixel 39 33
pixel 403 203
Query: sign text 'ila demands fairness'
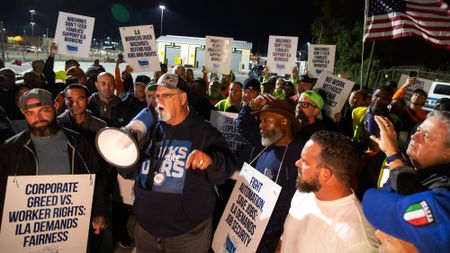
pixel 51 212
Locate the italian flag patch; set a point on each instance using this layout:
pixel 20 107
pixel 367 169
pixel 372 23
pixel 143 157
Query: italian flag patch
pixel 418 214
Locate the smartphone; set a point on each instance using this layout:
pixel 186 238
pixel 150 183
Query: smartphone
pixel 120 56
pixel 413 73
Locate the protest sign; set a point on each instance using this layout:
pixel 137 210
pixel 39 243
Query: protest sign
pixel 225 122
pixel 247 212
pixel 422 83
pixel 337 89
pixel 139 47
pixel 74 34
pixel 282 54
pixel 320 58
pixel 47 213
pixel 218 54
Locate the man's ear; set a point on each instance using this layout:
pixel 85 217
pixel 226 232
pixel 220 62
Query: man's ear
pixel 325 174
pixel 183 98
pixel 284 122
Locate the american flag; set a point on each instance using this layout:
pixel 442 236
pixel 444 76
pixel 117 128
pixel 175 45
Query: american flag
pixel 392 19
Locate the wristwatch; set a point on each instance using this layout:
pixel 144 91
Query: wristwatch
pixel 393 157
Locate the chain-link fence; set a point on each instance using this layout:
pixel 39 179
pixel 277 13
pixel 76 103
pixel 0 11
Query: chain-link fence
pixel 394 74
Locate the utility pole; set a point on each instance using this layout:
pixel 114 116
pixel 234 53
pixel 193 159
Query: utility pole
pixel 3 40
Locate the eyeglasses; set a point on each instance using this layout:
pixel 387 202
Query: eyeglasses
pixel 164 95
pixel 306 104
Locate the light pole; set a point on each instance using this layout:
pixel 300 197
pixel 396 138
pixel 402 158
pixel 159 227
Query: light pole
pixel 162 7
pixel 32 23
pixel 32 28
pixel 2 30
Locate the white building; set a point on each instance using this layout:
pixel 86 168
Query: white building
pixel 175 50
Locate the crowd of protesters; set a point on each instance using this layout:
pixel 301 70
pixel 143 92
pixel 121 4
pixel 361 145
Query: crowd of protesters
pixel 378 149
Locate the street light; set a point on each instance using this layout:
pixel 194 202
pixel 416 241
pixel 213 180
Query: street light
pixel 32 28
pixel 162 7
pixel 32 13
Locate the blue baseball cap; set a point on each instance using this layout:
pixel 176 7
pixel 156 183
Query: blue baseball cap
pixel 422 219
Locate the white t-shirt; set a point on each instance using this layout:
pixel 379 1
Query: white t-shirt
pixel 327 226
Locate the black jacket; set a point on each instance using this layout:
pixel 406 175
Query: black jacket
pixel 115 113
pixel 406 180
pixel 18 157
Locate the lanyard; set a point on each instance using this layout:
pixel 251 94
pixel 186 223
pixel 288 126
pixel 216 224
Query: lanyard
pixel 281 163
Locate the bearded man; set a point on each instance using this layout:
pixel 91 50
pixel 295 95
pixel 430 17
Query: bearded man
pixel 46 148
pixel 325 215
pixel 308 108
pixel 276 153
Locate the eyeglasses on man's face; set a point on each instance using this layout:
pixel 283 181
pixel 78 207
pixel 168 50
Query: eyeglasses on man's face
pixel 164 95
pixel 306 104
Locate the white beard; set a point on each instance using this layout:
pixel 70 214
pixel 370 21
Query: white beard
pixel 269 140
pixel 164 116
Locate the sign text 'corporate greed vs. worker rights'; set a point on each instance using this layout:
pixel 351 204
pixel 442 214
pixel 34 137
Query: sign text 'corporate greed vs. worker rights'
pixel 47 213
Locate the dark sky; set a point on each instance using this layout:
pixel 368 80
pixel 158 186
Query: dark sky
pixel 251 21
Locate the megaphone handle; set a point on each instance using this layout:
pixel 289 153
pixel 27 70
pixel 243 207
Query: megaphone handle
pixel 153 153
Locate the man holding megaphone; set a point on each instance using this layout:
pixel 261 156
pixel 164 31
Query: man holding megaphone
pixel 175 174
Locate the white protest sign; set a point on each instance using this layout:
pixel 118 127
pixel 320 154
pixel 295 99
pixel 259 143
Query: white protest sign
pixel 139 47
pixel 337 89
pixel 247 212
pixel 282 54
pixel 320 58
pixel 422 83
pixel 225 122
pixel 126 190
pixel 74 34
pixel 218 54
pixel 47 213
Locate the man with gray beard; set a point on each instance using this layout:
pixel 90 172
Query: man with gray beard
pixel 276 153
pixel 175 177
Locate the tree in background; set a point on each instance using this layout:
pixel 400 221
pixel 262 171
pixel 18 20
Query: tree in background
pixel 341 24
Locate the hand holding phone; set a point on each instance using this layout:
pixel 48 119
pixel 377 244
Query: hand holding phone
pixel 53 48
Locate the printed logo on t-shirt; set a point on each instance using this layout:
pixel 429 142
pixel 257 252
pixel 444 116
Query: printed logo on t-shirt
pixel 171 163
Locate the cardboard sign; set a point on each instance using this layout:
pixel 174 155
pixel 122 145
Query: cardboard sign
pixel 320 58
pixel 74 34
pixel 47 213
pixel 139 47
pixel 282 54
pixel 247 212
pixel 337 89
pixel 422 83
pixel 218 54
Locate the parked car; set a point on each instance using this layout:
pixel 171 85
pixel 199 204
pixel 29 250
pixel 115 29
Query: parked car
pixel 33 49
pixel 437 90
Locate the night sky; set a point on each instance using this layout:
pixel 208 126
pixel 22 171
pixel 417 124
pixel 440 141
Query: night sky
pixel 247 20
pixel 251 21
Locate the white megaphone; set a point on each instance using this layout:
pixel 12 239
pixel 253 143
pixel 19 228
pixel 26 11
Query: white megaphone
pixel 118 146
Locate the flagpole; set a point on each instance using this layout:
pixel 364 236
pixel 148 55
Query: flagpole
pixel 362 42
pixel 369 67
